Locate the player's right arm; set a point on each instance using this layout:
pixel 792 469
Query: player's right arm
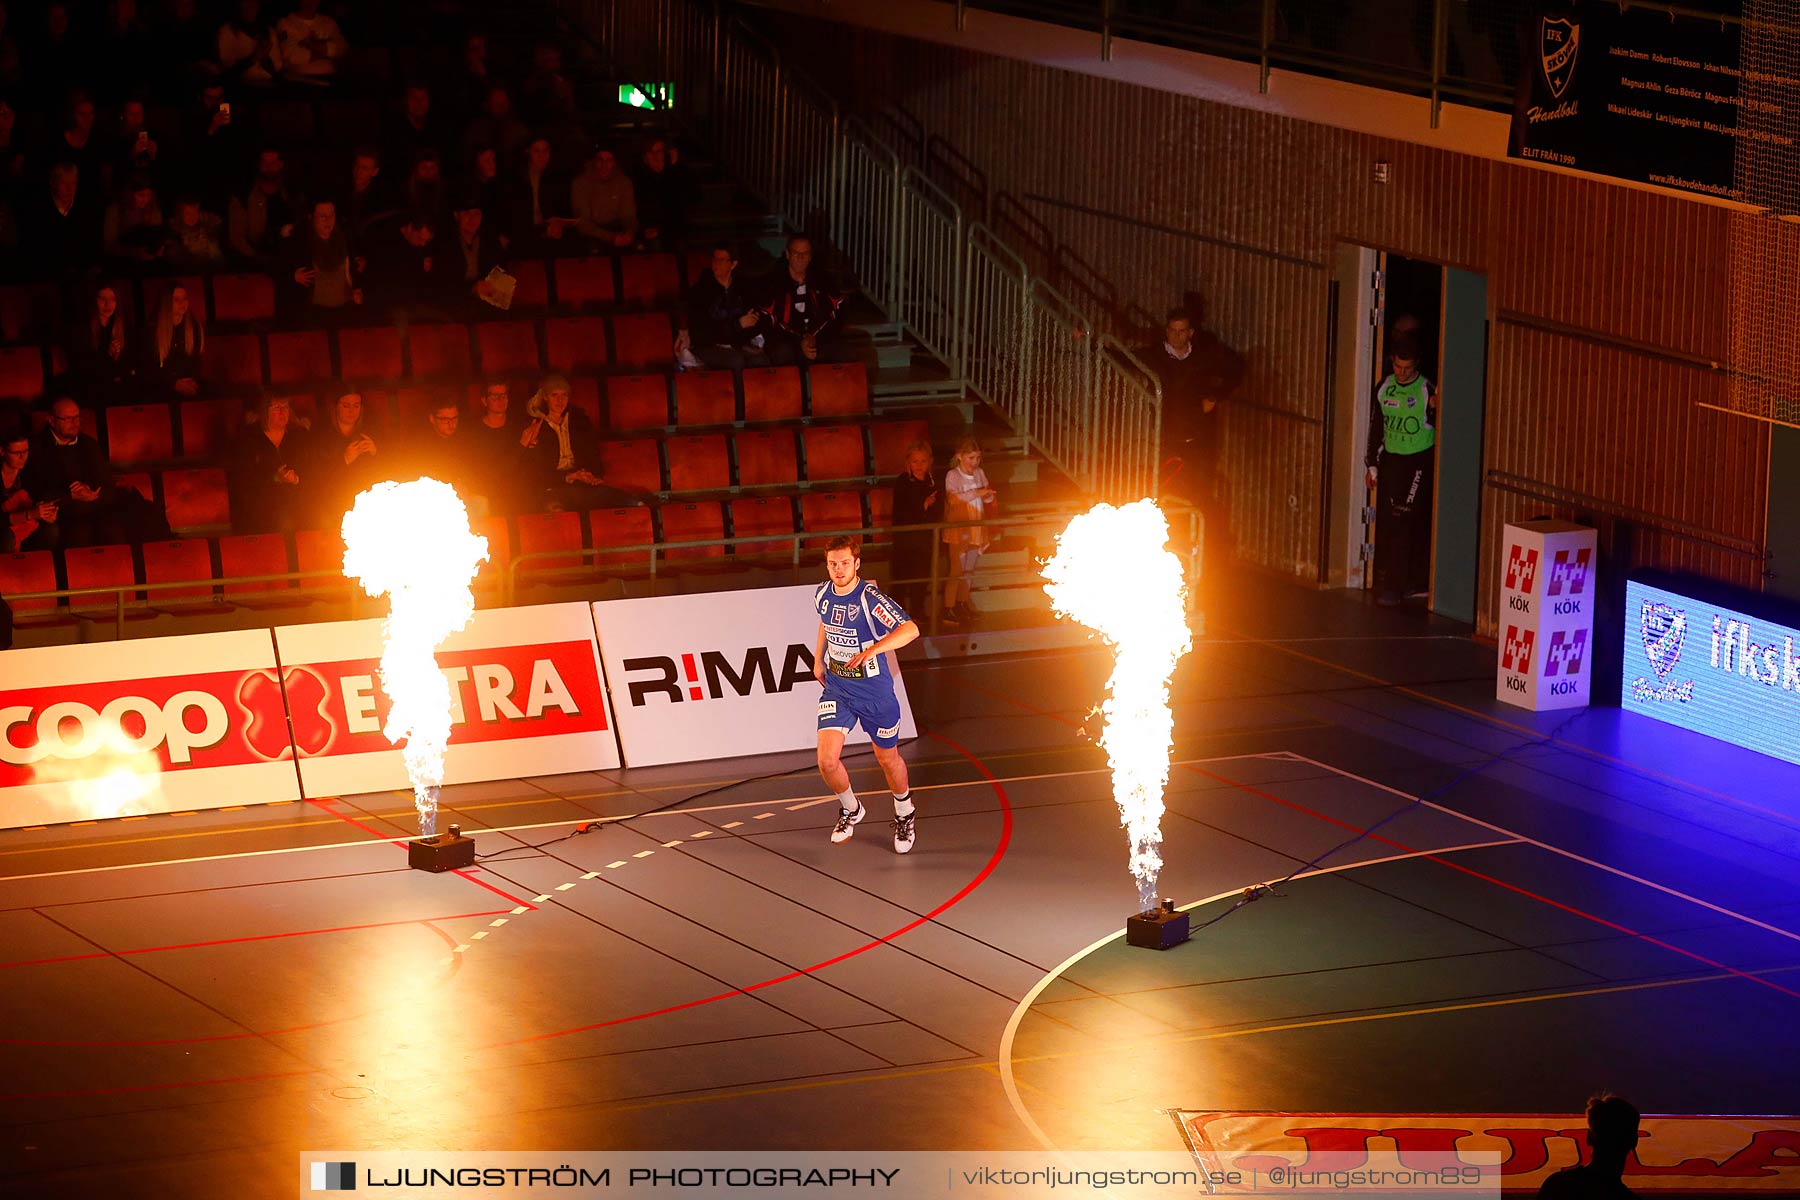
pixel 819 656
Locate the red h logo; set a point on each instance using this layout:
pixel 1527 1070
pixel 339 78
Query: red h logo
pixel 1515 650
pixel 1564 657
pixel 1521 567
pixel 1567 574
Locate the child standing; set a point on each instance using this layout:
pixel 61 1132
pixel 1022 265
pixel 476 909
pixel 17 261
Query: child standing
pixel 967 497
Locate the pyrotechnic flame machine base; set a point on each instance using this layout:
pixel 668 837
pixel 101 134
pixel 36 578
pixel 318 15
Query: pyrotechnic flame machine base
pixel 445 852
pixel 1157 928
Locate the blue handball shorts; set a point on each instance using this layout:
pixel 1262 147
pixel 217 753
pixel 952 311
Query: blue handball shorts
pixel 841 708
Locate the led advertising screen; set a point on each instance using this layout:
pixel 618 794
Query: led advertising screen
pixel 1712 669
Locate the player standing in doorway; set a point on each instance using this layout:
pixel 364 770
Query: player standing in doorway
pixel 1401 449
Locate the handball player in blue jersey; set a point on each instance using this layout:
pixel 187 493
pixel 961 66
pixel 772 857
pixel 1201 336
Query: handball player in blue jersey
pixel 858 623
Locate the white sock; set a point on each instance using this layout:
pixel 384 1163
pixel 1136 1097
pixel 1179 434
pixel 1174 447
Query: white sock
pixel 847 799
pixel 903 805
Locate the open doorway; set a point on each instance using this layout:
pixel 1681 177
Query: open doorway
pixel 1432 530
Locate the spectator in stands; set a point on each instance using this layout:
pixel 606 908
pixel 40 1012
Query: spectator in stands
pixel 194 237
pixel 367 201
pixel 319 265
pixel 469 82
pixel 342 460
pixel 968 496
pixel 262 222
pixel 918 500
pixel 78 144
pixel 70 470
pixel 248 50
pixel 413 128
pixel 101 350
pixel 134 150
pixel 122 51
pixel 132 231
pixel 183 39
pixel 548 99
pixel 442 452
pixel 64 227
pixel 800 310
pixel 424 191
pixel 539 205
pixel 12 151
pixel 402 262
pixel 665 191
pixel 496 126
pixel 604 202
pixel 58 55
pixel 473 254
pixel 490 192
pixel 30 523
pixel 177 344
pixel 719 318
pixel 494 448
pixel 211 146
pixel 265 476
pixel 561 452
pixel 311 43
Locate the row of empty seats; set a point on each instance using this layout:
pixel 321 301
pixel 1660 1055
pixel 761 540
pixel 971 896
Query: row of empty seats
pixel 201 429
pixel 237 560
pixel 28 311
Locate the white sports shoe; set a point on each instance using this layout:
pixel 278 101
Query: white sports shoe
pixel 903 833
pixel 846 822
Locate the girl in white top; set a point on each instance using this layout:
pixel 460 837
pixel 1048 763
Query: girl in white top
pixel 967 497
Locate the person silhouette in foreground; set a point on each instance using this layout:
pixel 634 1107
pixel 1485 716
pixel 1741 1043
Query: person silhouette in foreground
pixel 1612 1133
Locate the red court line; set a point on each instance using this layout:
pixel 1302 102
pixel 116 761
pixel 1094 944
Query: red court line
pixel 1455 866
pixel 325 804
pixel 233 941
pixel 157 1087
pixel 1006 828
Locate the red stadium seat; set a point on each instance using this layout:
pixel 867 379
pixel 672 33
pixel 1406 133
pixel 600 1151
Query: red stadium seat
pixel 98 566
pixel 584 282
pixel 204 425
pixel 137 481
pixel 233 358
pixel 21 373
pixel 698 463
pixel 32 571
pixel 634 464
pixel 764 514
pixel 532 286
pixel 254 554
pixel 643 340
pixel 412 410
pixel 177 561
pixel 439 351
pixel 584 397
pixel 320 550
pixel 507 347
pixel 27 312
pixel 241 298
pixel 834 452
pixel 881 507
pixel 691 523
pixel 157 286
pixel 890 440
pixel 649 279
pixel 622 527
pixel 372 353
pixel 637 402
pixel 772 394
pixel 139 433
pixel 299 356
pixel 825 512
pixel 575 343
pixel 838 389
pixel 765 458
pixel 196 499
pixel 499 540
pixel 540 532
pixel 705 398
pixel 697 266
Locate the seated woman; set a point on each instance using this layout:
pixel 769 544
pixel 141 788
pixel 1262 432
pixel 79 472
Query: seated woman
pixel 326 284
pixel 265 483
pixel 561 454
pixel 175 345
pixel 100 349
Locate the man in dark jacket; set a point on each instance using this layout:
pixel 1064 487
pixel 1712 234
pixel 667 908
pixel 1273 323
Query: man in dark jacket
pixel 800 309
pixel 69 469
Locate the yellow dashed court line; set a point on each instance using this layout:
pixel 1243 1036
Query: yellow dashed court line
pixel 667 845
pixel 563 887
pixel 762 816
pixel 614 865
pixel 496 923
pixel 478 935
pixel 643 854
pixel 702 833
pixel 591 875
pixel 731 824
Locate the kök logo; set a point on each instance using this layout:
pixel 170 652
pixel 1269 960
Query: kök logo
pixel 1516 649
pixel 1568 573
pixel 1521 567
pixel 1565 653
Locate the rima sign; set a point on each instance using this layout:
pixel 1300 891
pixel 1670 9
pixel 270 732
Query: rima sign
pixel 1547 584
pixel 1713 670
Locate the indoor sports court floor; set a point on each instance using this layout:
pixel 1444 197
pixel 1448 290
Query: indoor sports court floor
pixel 191 1000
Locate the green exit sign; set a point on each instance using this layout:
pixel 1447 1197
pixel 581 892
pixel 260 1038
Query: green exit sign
pixel 649 95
